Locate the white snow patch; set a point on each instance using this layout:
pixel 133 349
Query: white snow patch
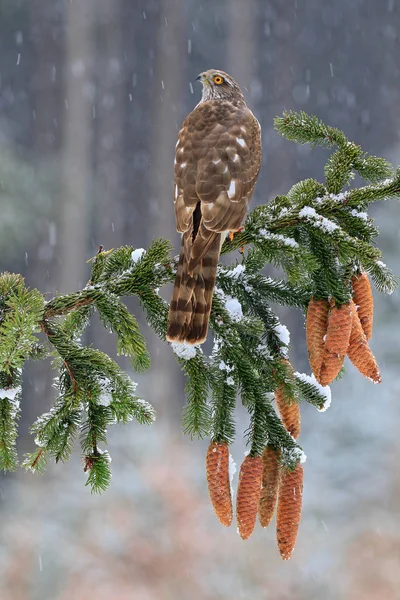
pixel 147 407
pixel 302 455
pixel 323 390
pixel 232 471
pixel 310 214
pixel 224 367
pixel 295 454
pixel 307 212
pixel 380 263
pixel 385 182
pixel 216 345
pixel 137 254
pixel 105 398
pixel 230 381
pixel 283 333
pixel 10 393
pixel 234 308
pixel 283 212
pixel 39 442
pixel 360 215
pixel 268 235
pixel 236 272
pixel 106 454
pixel 185 351
pixel 341 197
pixel 263 349
pixel 220 293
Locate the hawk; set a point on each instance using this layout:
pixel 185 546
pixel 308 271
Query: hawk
pixel 217 161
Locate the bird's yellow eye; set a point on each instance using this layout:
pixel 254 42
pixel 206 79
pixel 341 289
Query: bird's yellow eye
pixel 218 79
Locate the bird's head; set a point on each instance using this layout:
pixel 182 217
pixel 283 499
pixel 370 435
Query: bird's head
pixel 218 85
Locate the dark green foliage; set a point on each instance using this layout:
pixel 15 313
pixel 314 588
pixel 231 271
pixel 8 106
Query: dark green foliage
pixel 319 235
pixel 9 412
pixel 196 415
pixel 309 391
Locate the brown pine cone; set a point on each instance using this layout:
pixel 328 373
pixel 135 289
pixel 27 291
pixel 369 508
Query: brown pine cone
pixel 217 467
pixel 289 510
pixel 316 326
pixel 269 485
pixel 248 494
pixel 289 410
pixel 360 353
pixel 336 342
pixel 362 296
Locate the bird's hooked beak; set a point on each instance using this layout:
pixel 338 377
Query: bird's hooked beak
pixel 203 79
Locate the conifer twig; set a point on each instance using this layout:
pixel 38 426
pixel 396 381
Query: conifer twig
pixel 321 238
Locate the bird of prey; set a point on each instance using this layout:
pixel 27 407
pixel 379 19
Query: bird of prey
pixel 217 161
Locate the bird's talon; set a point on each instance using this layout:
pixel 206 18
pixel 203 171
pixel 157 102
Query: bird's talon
pixel 232 233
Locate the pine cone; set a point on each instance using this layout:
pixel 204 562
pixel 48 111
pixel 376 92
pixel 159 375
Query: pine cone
pixel 360 353
pixel 248 494
pixel 362 296
pixel 289 510
pixel 269 485
pixel 316 326
pixel 217 467
pixel 336 342
pixel 289 411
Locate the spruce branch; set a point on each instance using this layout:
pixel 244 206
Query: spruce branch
pixel 319 235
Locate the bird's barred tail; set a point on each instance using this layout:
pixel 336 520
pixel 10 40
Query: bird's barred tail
pixel 190 307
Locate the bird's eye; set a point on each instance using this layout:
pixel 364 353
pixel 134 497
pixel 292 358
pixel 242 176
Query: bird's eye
pixel 218 79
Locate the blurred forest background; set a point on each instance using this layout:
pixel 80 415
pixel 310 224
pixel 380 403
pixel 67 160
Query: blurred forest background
pixel 92 94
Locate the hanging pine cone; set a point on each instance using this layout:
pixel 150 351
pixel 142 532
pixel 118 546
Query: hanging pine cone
pixel 289 410
pixel 336 342
pixel 289 510
pixel 248 494
pixel 269 485
pixel 316 326
pixel 360 353
pixel 362 296
pixel 217 467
